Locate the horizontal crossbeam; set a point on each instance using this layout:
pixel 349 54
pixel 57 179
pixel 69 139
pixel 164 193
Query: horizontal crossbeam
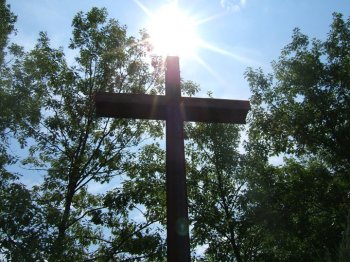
pixel 155 107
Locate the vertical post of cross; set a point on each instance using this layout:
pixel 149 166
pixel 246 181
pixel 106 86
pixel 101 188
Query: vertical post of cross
pixel 178 242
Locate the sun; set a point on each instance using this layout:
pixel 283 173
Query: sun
pixel 173 32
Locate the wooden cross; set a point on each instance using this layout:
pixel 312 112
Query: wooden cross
pixel 175 110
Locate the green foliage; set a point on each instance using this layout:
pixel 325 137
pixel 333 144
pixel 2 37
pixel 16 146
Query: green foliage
pixel 344 251
pixel 7 21
pixel 301 111
pixel 216 190
pixel 304 108
pixel 73 148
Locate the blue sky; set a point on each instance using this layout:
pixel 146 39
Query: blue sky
pixel 248 32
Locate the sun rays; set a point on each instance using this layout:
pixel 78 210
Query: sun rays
pixel 173 31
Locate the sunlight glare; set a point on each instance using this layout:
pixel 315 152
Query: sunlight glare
pixel 172 32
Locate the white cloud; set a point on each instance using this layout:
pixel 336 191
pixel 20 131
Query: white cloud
pixel 233 5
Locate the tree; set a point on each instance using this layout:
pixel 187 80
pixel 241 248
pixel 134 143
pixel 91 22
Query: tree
pixel 6 28
pixel 16 104
pixel 7 21
pixel 304 106
pixel 301 111
pixel 18 213
pixel 74 149
pixel 217 189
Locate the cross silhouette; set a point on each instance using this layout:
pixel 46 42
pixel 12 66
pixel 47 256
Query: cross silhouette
pixel 175 109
